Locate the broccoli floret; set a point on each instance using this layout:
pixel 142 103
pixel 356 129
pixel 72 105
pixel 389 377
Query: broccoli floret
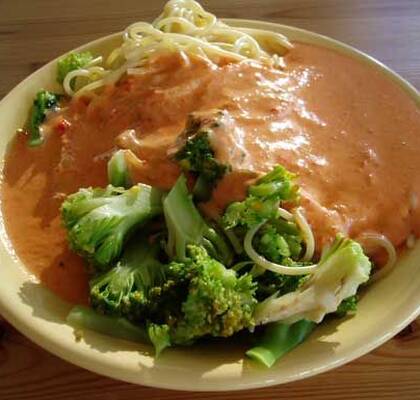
pixel 263 200
pixel 160 337
pixel 72 62
pixel 197 156
pixel 129 288
pixel 44 101
pixel 99 221
pixel 279 241
pixel 347 306
pixel 178 302
pixel 217 302
pixel 186 226
pixel 341 270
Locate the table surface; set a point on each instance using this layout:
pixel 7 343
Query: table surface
pixel 33 32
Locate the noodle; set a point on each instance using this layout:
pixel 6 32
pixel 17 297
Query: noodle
pixel 183 26
pixel 266 264
pixel 374 238
pixel 381 241
pixel 285 214
pixel 308 236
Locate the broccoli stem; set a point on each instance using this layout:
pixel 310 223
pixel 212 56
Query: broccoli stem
pixel 118 174
pixel 279 339
pixel 218 245
pixel 203 188
pixel 84 317
pixel 187 226
pixel 234 241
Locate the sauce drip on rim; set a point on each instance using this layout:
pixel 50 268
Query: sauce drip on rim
pixel 349 132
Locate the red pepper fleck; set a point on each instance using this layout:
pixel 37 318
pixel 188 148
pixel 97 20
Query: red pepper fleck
pixel 62 126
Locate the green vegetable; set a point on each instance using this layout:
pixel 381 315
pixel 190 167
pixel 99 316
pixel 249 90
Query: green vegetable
pixel 128 288
pixel 118 173
pixel 279 241
pixel 99 221
pixel 217 301
pixel 175 286
pixel 186 226
pixel 279 339
pixel 197 156
pixel 178 303
pixel 83 317
pixel 44 101
pixel 72 62
pixel 270 283
pixel 263 200
pixel 160 337
pixel 347 306
pixel 342 268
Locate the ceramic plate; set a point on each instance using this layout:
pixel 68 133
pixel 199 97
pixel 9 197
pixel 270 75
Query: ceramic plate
pixel 384 309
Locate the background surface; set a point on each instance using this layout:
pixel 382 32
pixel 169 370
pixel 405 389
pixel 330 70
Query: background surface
pixel 32 32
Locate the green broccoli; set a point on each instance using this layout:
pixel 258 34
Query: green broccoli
pixel 174 287
pixel 99 221
pixel 279 241
pixel 347 306
pixel 197 156
pixel 71 62
pixel 269 283
pixel 160 337
pixel 85 318
pixel 263 200
pixel 129 288
pixel 118 173
pixel 178 302
pixel 343 267
pixel 186 226
pixel 217 302
pixel 44 102
pixel 278 339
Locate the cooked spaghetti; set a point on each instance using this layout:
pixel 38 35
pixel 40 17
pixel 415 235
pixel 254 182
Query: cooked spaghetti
pixel 183 26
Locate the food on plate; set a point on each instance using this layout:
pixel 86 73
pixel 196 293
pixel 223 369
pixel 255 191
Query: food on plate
pixel 206 181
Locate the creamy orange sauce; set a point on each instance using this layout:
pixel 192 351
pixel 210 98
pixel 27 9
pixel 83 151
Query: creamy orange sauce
pixel 351 135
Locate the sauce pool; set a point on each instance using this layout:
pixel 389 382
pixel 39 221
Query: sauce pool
pixel 349 132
